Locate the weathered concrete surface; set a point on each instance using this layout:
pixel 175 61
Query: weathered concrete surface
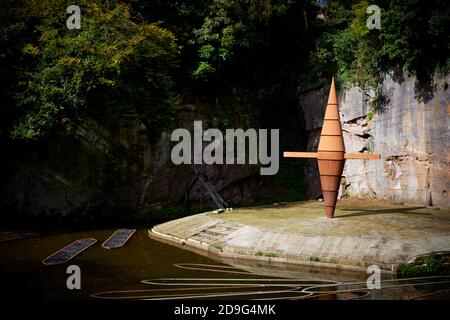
pixel 412 136
pixel 364 232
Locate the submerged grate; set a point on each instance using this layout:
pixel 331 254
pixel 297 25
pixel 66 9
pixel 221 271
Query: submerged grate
pixel 118 238
pixel 68 252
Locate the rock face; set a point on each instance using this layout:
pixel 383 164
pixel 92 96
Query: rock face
pixel 116 167
pixel 112 168
pixel 411 135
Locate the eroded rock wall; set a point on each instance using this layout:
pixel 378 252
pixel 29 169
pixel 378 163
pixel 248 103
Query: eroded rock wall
pixel 110 168
pixel 410 133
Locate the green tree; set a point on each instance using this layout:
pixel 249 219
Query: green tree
pixel 111 67
pixel 229 26
pixel 412 38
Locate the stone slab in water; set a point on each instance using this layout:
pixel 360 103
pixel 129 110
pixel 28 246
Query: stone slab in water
pixel 118 239
pixel 69 252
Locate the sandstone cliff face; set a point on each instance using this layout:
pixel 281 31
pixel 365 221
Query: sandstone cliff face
pixel 411 135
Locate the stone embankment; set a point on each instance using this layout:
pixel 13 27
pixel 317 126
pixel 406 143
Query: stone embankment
pixel 364 233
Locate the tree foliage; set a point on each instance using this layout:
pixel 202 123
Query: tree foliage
pixel 131 57
pixel 412 37
pixel 111 67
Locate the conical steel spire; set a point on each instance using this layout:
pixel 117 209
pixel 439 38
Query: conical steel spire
pixel 331 153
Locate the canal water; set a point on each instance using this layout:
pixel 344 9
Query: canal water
pixel 148 269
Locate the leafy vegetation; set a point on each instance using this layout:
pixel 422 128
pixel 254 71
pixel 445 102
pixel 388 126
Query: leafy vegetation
pixel 132 60
pixel 111 67
pixel 431 265
pixel 217 247
pixel 412 37
pixel 266 254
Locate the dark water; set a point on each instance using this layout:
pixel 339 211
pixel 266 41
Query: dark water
pixel 170 272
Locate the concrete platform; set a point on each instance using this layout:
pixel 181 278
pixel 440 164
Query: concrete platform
pixel 363 232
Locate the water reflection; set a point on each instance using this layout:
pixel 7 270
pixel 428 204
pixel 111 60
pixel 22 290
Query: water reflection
pixel 148 269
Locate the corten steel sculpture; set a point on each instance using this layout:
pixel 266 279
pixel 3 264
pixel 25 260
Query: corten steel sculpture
pixel 331 153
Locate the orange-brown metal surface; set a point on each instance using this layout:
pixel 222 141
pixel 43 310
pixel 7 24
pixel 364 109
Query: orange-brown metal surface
pixel 288 154
pixel 331 143
pixel 329 183
pixel 332 127
pixel 330 167
pixel 331 153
